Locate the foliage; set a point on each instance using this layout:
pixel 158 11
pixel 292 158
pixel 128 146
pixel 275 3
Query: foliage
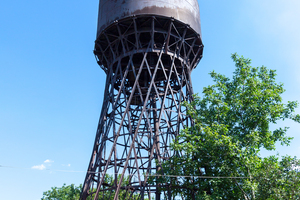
pixel 72 192
pixel 231 124
pixel 123 194
pixel 278 179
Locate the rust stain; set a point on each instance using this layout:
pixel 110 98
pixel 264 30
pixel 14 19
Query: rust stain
pixel 185 11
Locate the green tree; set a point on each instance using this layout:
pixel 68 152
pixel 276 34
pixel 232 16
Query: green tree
pixel 66 192
pixel 71 192
pixel 220 153
pixel 278 179
pixel 123 194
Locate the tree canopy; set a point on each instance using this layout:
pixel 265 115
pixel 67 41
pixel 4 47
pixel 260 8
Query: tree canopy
pixel 72 192
pixel 219 155
pixel 66 192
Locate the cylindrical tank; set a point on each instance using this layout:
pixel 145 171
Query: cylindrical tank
pixel 186 11
pixel 133 27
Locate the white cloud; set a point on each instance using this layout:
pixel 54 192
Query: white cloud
pixel 39 167
pixel 43 166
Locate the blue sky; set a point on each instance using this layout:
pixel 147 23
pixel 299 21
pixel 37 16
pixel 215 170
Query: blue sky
pixel 51 88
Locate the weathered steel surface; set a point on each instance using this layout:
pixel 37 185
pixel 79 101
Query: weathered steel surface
pixel 148 51
pixel 186 11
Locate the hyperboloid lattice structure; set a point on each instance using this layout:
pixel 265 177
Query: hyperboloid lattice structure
pixel 148 50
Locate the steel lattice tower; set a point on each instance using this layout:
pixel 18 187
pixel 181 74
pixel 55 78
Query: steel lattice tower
pixel 148 50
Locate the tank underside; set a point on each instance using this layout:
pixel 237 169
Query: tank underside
pixel 148 33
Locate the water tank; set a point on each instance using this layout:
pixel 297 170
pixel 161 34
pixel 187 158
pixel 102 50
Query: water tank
pixel 186 11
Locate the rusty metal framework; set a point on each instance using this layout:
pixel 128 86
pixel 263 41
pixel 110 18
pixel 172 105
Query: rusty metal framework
pixel 148 61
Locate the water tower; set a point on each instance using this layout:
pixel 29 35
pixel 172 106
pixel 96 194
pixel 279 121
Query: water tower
pixel 148 49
